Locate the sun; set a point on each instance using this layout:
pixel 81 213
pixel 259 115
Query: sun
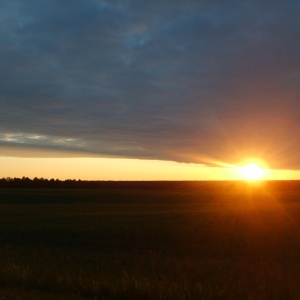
pixel 252 171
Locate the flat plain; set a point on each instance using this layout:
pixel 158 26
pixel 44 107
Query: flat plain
pixel 220 241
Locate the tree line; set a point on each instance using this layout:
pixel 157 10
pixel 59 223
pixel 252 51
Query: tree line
pixel 26 182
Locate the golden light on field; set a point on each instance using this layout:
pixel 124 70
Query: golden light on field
pixel 252 171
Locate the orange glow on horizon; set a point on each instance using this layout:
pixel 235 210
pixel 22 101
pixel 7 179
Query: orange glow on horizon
pixel 252 171
pixel 127 169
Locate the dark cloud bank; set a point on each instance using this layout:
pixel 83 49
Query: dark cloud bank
pixel 188 81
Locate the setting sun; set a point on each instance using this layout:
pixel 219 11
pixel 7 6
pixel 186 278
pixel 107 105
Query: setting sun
pixel 252 171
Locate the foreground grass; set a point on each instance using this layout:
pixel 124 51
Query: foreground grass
pixel 142 244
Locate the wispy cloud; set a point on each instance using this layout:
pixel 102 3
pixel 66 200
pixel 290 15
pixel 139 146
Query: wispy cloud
pixel 37 140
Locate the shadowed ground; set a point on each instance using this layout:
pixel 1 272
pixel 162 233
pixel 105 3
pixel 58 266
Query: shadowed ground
pixel 226 242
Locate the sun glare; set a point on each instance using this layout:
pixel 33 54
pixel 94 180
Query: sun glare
pixel 252 171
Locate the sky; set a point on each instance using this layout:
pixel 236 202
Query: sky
pixel 165 86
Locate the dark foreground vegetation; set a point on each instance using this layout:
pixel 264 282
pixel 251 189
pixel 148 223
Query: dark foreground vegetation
pixel 221 240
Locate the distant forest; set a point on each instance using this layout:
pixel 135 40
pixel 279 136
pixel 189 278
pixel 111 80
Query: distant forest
pixel 26 182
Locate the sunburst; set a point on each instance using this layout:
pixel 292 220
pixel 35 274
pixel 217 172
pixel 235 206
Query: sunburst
pixel 252 171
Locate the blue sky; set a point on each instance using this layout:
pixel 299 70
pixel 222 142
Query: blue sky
pixel 185 81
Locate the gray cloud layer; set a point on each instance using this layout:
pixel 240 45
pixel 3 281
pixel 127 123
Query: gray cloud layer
pixel 175 80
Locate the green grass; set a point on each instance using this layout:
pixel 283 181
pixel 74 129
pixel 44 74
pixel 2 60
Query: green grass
pixel 143 244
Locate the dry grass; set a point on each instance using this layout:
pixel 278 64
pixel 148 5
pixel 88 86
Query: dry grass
pixel 140 244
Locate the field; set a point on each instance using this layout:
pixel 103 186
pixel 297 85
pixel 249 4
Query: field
pixel 227 242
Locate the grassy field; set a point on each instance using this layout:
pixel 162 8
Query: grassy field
pixel 223 243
